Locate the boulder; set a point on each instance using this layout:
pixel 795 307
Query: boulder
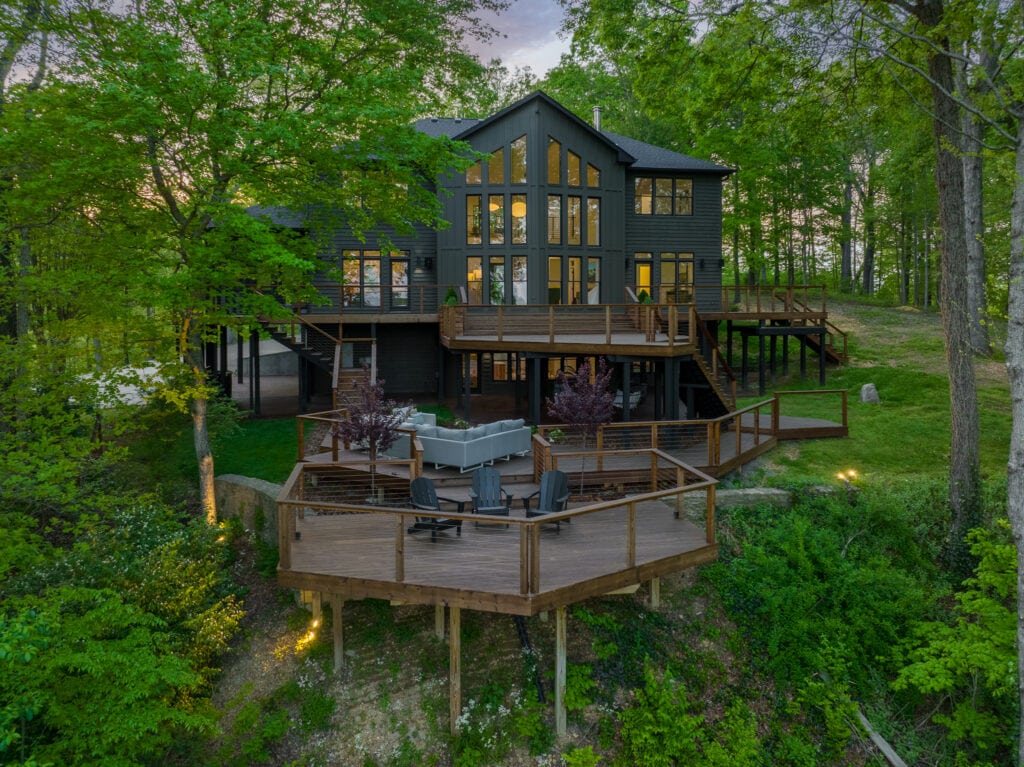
pixel 869 394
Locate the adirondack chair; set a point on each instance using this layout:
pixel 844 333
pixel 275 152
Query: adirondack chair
pixel 552 496
pixel 424 497
pixel 487 495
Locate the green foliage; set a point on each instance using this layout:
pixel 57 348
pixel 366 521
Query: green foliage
pixel 828 570
pixel 578 687
pixel 485 736
pixel 659 729
pixel 581 757
pixel 971 664
pixel 624 641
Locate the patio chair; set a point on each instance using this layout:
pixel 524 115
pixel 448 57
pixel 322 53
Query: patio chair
pixel 487 495
pixel 552 496
pixel 424 497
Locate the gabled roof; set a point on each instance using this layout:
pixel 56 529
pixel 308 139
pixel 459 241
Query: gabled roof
pixel 637 155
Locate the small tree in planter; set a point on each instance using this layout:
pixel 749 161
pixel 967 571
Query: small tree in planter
pixel 582 403
pixel 373 419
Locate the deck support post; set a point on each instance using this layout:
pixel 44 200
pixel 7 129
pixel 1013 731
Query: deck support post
pixel 316 606
pixel 454 667
pixel 439 621
pixel 627 388
pixel 467 386
pixel 560 634
pixel 535 389
pixel 655 593
pixel 785 355
pixel 760 359
pixel 821 357
pixel 338 632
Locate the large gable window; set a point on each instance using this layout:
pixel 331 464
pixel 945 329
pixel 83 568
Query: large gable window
pixel 496 167
pixel 554 161
pixel 519 219
pixel 573 168
pixel 474 174
pixel 662 196
pixel 496 218
pixel 554 219
pixel 593 176
pixel 474 220
pixel 518 160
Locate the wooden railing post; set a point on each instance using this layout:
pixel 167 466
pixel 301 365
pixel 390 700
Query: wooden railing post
pixel 654 471
pixel 775 415
pixel 534 549
pixel 551 324
pixel 524 559
pixel 302 440
pixel 631 534
pixel 709 515
pixel 399 548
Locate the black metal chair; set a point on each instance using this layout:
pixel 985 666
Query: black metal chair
pixel 487 494
pixel 552 497
pixel 425 498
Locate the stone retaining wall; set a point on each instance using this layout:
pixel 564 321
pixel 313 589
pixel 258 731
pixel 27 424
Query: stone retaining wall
pixel 254 501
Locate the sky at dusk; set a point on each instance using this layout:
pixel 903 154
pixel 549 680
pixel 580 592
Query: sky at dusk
pixel 529 36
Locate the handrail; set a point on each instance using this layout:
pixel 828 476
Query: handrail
pixel 293 505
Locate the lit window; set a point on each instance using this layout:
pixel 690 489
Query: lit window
pixel 593 221
pixel 573 169
pixel 496 280
pixel 519 285
pixel 474 174
pixel 519 219
pixel 473 220
pixel 554 219
pixel 554 161
pixel 518 160
pixel 554 280
pixel 593 176
pixel 593 281
pixel 475 279
pixel 496 218
pixel 496 167
pixel 642 196
pixel 663 196
pixel 575 220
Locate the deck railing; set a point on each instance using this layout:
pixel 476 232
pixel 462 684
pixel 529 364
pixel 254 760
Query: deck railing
pixel 674 322
pixel 764 299
pixel 314 489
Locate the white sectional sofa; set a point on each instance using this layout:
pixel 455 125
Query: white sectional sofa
pixel 466 449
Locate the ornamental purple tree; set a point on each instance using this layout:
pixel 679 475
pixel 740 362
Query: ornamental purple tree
pixel 373 420
pixel 582 403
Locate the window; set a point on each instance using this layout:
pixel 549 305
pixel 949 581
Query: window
pixel 519 284
pixel 642 188
pixel 519 219
pixel 503 367
pixel 684 197
pixel 496 167
pixel 474 174
pixel 554 219
pixel 554 161
pixel 676 276
pixel 475 279
pixel 593 176
pixel 643 273
pixel 518 160
pixel 399 282
pixel 473 220
pixel 574 213
pixel 496 280
pixel 593 281
pixel 554 280
pixel 573 168
pixel 575 280
pixel 593 221
pixel 496 218
pixel 663 196
pixel 361 278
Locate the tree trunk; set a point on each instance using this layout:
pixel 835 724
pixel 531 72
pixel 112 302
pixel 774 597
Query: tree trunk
pixel 201 439
pixel 846 236
pixel 868 273
pixel 964 486
pixel 977 300
pixel 1015 368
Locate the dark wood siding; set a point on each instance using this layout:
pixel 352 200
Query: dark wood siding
pixel 700 233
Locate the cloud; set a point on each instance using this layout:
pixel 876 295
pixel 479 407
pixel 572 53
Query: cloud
pixel 528 36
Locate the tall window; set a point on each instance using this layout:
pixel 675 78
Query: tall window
pixel 593 221
pixel 361 274
pixel 519 284
pixel 554 219
pixel 474 220
pixel 496 167
pixel 554 161
pixel 496 280
pixel 474 174
pixel 475 279
pixel 496 219
pixel 643 273
pixel 593 281
pixel 593 176
pixel 663 196
pixel 399 283
pixel 573 168
pixel 519 219
pixel 642 196
pixel 554 280
pixel 575 280
pixel 518 160
pixel 574 216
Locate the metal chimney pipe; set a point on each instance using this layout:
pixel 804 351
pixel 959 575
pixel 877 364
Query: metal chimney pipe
pixel 597 117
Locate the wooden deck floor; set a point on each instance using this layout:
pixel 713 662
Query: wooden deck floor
pixel 354 555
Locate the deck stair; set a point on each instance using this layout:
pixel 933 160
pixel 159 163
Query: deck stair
pixel 305 339
pixel 835 339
